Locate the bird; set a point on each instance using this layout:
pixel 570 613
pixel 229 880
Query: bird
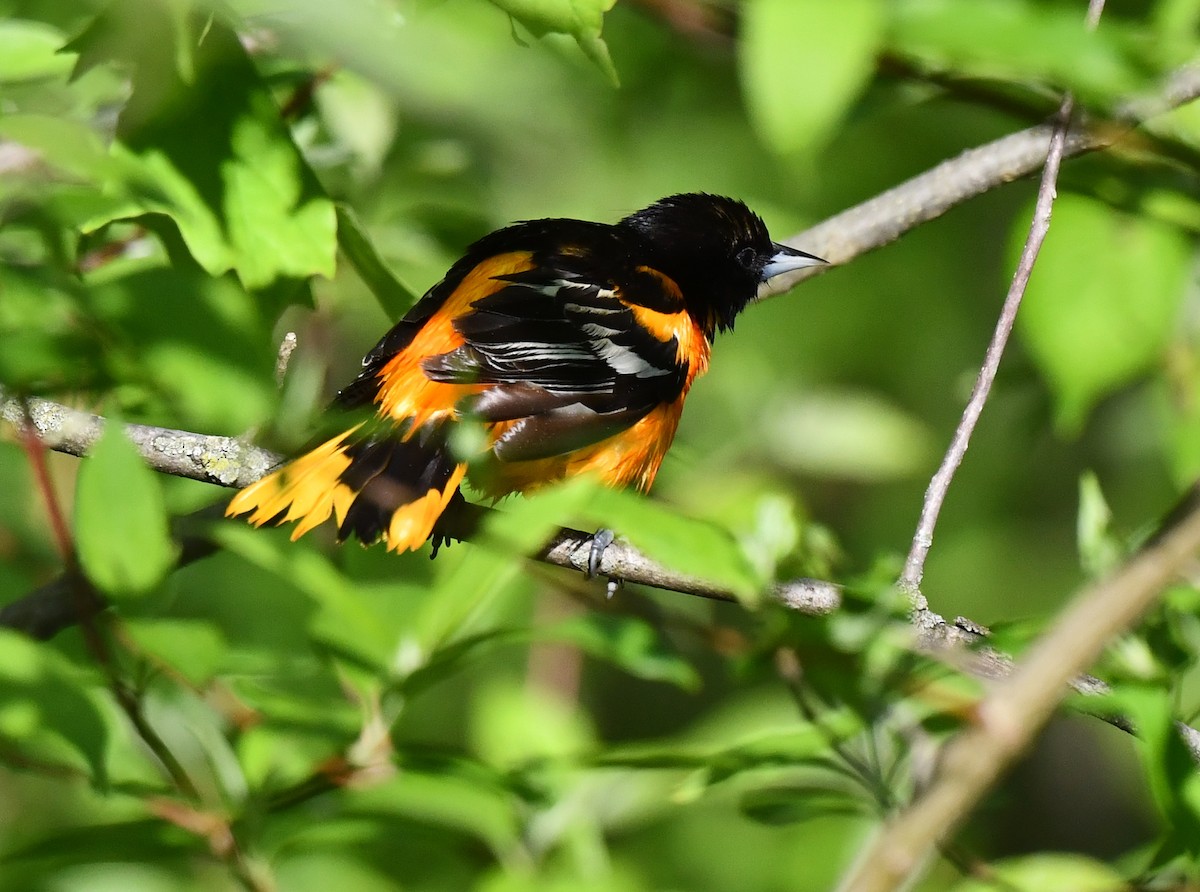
pixel 572 344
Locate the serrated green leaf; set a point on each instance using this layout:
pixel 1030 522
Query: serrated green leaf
pixel 202 141
pixel 581 19
pixel 803 62
pixel 1102 301
pixel 121 533
pixel 29 50
pixel 393 295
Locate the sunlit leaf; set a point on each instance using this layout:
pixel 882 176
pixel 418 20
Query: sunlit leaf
pixel 681 543
pixel 1099 550
pixel 121 530
pixel 1102 301
pixel 1020 39
pixel 393 295
pixel 203 142
pixel 29 50
pixel 194 648
pixel 803 63
pixel 514 725
pixel 1078 873
pixel 581 19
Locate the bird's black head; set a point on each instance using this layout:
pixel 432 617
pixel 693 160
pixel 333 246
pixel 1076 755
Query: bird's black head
pixel 716 249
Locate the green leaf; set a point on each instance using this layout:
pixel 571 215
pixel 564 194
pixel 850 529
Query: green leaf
pixel 456 793
pixel 1018 40
pixel 847 435
pixel 47 708
pixel 1048 871
pixel 1170 767
pixel 69 145
pixel 346 621
pixel 194 648
pixel 803 63
pixel 515 724
pixel 393 295
pixel 628 642
pixel 780 806
pixel 121 530
pixel 1102 301
pixel 201 140
pixel 1099 551
pixel 467 588
pixel 198 342
pixel 29 50
pixel 307 869
pixel 581 19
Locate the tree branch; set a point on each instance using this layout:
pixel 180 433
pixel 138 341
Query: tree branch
pixel 211 459
pixel 884 218
pixel 228 462
pixel 1011 715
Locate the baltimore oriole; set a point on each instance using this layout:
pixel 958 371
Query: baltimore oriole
pixel 574 344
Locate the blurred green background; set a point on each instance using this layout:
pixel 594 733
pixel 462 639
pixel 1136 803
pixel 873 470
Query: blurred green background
pixel 345 716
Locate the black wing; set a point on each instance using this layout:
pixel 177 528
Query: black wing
pixel 566 358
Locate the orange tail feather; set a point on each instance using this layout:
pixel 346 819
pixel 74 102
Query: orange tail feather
pixel 388 488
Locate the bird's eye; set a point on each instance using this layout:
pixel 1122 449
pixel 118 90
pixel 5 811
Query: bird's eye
pixel 747 257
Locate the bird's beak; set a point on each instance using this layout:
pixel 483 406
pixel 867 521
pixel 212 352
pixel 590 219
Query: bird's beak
pixel 786 259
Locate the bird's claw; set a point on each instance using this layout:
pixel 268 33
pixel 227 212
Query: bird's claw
pixel 600 542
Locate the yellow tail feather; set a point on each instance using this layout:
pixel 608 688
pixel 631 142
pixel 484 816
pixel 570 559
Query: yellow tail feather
pixel 309 490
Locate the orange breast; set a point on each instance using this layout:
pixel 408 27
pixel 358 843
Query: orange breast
pixel 629 458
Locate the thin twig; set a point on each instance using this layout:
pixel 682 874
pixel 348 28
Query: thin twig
pixel 1019 705
pixel 85 603
pixel 935 495
pixel 35 454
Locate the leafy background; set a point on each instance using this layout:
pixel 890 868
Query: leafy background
pixel 182 184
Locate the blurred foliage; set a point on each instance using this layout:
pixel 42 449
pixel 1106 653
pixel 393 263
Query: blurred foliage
pixel 182 183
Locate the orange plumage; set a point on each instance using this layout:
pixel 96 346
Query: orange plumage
pixel 574 345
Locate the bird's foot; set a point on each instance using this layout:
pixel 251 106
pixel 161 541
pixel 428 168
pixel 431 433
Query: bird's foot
pixel 601 539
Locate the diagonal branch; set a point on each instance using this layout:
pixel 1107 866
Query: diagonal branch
pixel 881 220
pixel 1007 719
